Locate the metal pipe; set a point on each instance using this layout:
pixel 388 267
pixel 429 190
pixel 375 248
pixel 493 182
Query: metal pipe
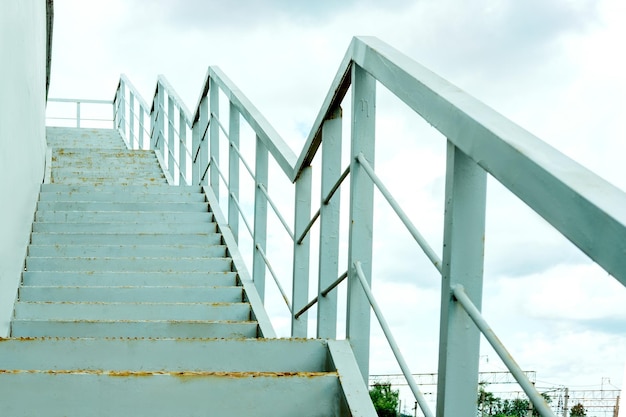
pixel 537 400
pixel 245 221
pixel 323 293
pixel 243 161
pixel 213 116
pixel 273 274
pixel 325 201
pixel 430 253
pixel 220 172
pixel 280 217
pixel 417 393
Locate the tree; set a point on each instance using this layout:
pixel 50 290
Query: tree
pixel 578 411
pixel 493 406
pixel 385 399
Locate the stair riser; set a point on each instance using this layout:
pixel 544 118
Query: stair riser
pixel 123 217
pixel 121 206
pixel 243 355
pixel 131 294
pixel 173 228
pixel 129 264
pixel 168 329
pixel 117 181
pixel 61 238
pixel 133 311
pixel 131 189
pixel 129 279
pixel 121 251
pixel 171 395
pixel 122 197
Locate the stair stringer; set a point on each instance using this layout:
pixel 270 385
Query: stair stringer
pixel 265 325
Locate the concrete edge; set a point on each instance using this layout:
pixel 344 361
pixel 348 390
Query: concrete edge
pixel 265 325
pixel 355 391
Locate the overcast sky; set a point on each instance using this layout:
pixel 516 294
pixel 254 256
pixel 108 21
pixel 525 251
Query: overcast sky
pixel 556 67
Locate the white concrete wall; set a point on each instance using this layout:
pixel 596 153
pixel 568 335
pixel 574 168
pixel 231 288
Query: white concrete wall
pixel 22 136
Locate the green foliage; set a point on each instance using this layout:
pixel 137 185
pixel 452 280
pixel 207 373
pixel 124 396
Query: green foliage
pixel 578 411
pixel 493 406
pixel 385 399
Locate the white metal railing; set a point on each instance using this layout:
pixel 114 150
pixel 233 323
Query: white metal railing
pixel 479 142
pixel 76 115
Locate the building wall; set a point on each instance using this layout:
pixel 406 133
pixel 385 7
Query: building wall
pixel 22 136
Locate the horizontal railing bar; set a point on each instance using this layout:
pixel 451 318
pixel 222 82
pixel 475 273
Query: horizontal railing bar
pixel 177 134
pixel 273 274
pixel 219 172
pixel 245 221
pixel 205 171
pixel 540 404
pixel 326 200
pixel 79 100
pixel 202 139
pixel 421 241
pixel 280 217
pixel 217 119
pixel 324 294
pixel 81 119
pixel 417 393
pixel 243 161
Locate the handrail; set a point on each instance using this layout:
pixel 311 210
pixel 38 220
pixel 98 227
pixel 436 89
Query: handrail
pixel 417 393
pixel 479 141
pixel 78 102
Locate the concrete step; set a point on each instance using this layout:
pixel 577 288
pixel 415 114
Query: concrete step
pixel 161 228
pixel 132 311
pixel 126 216
pixel 167 394
pixel 88 154
pixel 121 196
pixel 117 189
pixel 108 170
pixel 143 264
pixel 134 328
pixel 111 251
pixel 112 205
pixel 145 238
pixel 132 294
pixel 109 181
pixel 128 279
pixel 201 354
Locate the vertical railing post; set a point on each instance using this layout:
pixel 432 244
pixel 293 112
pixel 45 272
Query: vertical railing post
pixel 77 113
pixel 233 171
pixel 260 217
pixel 160 120
pixel 171 138
pixel 182 148
pixel 301 252
pixel 463 254
pixel 142 127
pixel 131 126
pixel 199 154
pixel 361 215
pixel 121 109
pixel 329 226
pixel 214 177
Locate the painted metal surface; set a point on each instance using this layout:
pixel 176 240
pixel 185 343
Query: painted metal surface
pixel 360 234
pixel 463 253
pixel 480 142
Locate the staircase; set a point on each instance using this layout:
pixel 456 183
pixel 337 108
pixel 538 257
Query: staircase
pixel 130 304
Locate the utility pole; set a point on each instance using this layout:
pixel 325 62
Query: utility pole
pixel 565 401
pixel 616 409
